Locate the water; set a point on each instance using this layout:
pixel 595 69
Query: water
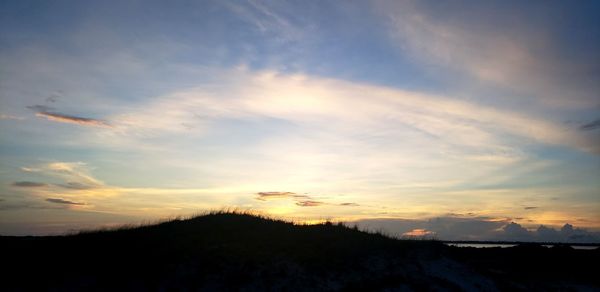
pixel 505 245
pixel 586 247
pixel 481 245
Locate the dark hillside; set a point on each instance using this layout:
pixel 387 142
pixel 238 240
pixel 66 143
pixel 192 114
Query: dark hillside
pixel 229 251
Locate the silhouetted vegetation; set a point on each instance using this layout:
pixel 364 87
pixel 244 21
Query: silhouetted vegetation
pixel 240 251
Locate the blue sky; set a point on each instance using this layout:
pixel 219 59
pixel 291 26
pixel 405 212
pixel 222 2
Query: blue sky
pixel 120 112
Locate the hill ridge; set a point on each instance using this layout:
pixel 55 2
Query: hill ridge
pixel 241 251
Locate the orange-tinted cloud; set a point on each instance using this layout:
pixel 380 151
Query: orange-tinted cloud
pixel 46 112
pixel 418 233
pixel 56 117
pixel 263 196
pixel 63 201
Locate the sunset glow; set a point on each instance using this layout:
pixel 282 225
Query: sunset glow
pixel 418 118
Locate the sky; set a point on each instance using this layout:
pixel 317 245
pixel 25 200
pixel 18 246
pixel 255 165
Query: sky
pixel 474 120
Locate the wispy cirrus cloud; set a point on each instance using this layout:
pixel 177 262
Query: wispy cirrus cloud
pixel 333 128
pixel 76 175
pixel 393 142
pixel 269 20
pixel 357 150
pixel 515 53
pixel 51 115
pixel 317 103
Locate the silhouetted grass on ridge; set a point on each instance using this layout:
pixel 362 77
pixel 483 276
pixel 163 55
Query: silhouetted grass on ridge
pixel 246 250
pixel 231 234
pixel 247 214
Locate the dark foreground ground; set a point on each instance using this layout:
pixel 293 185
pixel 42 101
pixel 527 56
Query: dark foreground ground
pixel 233 252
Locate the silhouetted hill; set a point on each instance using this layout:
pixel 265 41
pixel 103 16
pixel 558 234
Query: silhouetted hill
pixel 231 251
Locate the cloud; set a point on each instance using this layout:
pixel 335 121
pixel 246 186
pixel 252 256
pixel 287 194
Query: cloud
pixel 479 229
pixel 63 201
pixel 49 114
pixel 548 234
pixel 29 184
pixel 514 231
pixel 590 126
pixel 309 203
pixel 349 204
pixel 445 228
pixel 263 196
pixel 567 233
pixel 10 117
pixel 530 207
pixel 420 233
pixel 57 117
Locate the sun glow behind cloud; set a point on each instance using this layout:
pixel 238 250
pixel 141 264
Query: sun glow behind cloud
pixel 340 141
